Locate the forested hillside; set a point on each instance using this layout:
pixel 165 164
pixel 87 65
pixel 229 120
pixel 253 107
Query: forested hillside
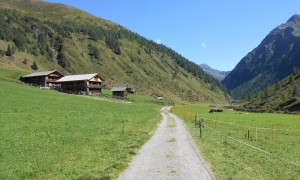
pixel 282 96
pixel 35 36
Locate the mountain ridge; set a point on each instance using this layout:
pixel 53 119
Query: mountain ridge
pixel 272 60
pixel 220 75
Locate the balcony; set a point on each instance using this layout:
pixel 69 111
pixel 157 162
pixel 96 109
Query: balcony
pixel 96 86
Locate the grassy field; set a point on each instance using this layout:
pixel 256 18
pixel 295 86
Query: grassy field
pixel 232 155
pixel 49 135
pixel 11 74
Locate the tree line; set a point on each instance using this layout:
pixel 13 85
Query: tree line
pixel 46 38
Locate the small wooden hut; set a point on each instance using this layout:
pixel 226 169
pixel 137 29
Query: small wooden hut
pixel 43 79
pixel 119 92
pixel 88 84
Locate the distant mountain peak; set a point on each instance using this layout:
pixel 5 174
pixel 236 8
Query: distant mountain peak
pixel 220 75
pixel 295 19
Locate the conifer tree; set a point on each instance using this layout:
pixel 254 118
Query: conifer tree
pixel 34 66
pixel 9 51
pixel 295 92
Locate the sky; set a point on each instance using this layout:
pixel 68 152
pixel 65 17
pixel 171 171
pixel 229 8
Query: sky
pixel 218 33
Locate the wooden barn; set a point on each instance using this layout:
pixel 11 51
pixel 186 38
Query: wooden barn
pixel 43 79
pixel 119 92
pixel 88 84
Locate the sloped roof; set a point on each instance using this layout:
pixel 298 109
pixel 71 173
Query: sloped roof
pixel 79 77
pixel 44 73
pixel 118 88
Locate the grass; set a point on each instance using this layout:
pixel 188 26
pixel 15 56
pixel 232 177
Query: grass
pixel 277 134
pixel 50 135
pixel 11 74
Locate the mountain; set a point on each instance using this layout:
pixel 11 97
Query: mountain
pixel 220 75
pixel 38 36
pixel 274 59
pixel 282 96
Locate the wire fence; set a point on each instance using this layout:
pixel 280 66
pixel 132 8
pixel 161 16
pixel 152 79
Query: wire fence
pixel 282 145
pixel 255 148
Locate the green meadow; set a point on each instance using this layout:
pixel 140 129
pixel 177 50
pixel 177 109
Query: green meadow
pixel 50 135
pixel 271 149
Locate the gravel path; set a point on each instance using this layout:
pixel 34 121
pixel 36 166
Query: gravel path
pixel 169 154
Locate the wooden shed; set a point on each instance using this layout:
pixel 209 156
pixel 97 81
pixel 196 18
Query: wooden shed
pixel 88 84
pixel 43 79
pixel 119 92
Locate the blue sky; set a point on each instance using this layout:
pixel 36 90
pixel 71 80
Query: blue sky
pixel 215 32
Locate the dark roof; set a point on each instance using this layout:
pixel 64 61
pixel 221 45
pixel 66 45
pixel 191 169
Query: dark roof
pixel 80 77
pixel 35 74
pixel 118 89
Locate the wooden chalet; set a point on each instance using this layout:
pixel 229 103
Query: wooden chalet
pixel 89 84
pixel 119 92
pixel 43 79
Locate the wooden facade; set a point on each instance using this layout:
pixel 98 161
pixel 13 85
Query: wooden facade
pixel 119 92
pixel 43 79
pixel 88 84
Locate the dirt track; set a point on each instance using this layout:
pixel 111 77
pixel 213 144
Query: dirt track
pixel 169 154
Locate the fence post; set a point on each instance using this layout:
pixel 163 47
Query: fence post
pixel 200 124
pixel 272 134
pixel 248 134
pixel 195 120
pixel 256 134
pixel 62 156
pixel 123 121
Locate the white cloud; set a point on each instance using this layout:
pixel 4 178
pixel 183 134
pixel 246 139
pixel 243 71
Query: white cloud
pixel 203 44
pixel 158 41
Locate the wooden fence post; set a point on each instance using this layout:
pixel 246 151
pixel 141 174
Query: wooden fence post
pixel 123 121
pixel 248 134
pixel 256 134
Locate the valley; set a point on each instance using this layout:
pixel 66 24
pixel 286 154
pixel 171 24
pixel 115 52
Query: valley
pixel 192 121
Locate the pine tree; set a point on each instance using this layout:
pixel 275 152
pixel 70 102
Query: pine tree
pixel 94 52
pixel 291 79
pixel 295 92
pixel 34 66
pixel 277 86
pixel 9 51
pixel 25 61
